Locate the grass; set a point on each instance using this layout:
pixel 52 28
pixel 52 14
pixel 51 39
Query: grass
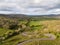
pixel 15 39
pixel 3 31
pixel 44 42
pixel 40 28
pixel 34 23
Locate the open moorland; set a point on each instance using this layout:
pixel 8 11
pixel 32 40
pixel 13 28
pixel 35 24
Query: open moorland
pixel 29 30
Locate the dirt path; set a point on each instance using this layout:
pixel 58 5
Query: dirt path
pixel 51 37
pixel 27 41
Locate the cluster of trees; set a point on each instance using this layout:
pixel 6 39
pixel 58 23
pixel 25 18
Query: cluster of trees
pixel 14 25
pixel 8 23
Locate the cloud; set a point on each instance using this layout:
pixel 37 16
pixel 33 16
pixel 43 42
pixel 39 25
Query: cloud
pixel 30 7
pixel 54 11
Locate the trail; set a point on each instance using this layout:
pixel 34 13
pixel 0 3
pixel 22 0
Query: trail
pixel 27 41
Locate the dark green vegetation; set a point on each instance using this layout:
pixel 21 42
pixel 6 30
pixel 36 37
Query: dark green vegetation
pixel 16 29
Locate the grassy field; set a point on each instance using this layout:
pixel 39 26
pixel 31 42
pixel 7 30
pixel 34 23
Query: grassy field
pixel 19 31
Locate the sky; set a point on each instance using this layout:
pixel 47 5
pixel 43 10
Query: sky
pixel 30 7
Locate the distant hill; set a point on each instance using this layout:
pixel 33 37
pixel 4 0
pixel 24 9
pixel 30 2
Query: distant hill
pixel 22 16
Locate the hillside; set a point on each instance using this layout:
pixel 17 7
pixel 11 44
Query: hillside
pixel 19 29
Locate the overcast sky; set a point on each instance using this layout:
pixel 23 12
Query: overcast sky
pixel 30 7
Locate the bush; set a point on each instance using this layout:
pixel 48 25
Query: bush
pixel 13 26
